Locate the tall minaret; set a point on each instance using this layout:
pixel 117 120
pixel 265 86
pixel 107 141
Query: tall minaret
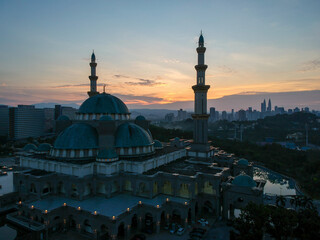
pixel 200 116
pixel 93 78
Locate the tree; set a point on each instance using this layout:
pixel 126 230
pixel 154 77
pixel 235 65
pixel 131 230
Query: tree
pixel 251 223
pixel 281 201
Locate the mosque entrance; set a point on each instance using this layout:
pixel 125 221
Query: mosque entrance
pixel 176 216
pixel 121 231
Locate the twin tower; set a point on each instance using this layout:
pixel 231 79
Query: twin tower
pixel 200 147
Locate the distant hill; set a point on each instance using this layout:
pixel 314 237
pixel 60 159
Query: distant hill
pixel 239 101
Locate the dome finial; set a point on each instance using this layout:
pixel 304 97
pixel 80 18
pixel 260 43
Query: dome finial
pixel 201 40
pixel 93 56
pixel 104 88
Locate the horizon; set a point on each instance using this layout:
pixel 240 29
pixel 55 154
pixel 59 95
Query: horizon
pixel 261 47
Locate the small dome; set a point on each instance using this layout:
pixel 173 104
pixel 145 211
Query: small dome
pixel 109 153
pixel 243 161
pixel 244 180
pixel 103 103
pixel 140 118
pixel 29 147
pixel 63 118
pixel 106 118
pixel 131 135
pixel 44 147
pixel 177 139
pixel 157 144
pixel 77 136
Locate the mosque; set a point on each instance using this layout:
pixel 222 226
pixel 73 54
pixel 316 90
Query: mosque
pixel 106 177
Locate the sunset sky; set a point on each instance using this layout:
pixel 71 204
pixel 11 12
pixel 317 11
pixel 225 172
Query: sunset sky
pixel 146 49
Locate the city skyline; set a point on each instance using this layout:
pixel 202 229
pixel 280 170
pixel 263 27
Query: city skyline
pixel 46 51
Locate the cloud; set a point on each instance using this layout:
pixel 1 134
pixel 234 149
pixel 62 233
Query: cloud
pixel 138 99
pixel 310 65
pixel 144 82
pixel 171 61
pixel 77 85
pixel 226 69
pixel 3 85
pixel 120 76
pixel 140 82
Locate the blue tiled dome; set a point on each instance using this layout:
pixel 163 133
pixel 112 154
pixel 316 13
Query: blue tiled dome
pixel 77 136
pixel 244 180
pixel 140 118
pixel 131 135
pixel 29 147
pixel 157 144
pixel 63 118
pixel 44 147
pixel 106 118
pixel 103 103
pixel 107 154
pixel 243 161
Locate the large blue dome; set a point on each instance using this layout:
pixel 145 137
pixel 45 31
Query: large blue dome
pixel 77 136
pixel 244 180
pixel 131 135
pixel 103 103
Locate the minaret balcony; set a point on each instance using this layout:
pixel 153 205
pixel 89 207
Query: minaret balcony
pixel 201 49
pixel 202 67
pixel 201 88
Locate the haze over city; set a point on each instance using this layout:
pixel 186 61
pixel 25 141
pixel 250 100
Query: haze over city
pixel 145 51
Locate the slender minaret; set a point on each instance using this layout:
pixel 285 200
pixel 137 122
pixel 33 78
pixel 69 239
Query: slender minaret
pixel 93 78
pixel 200 116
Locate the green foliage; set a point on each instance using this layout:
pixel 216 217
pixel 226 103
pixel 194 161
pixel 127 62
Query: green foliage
pixel 303 166
pixel 278 222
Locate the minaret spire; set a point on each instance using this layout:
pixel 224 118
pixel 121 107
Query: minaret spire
pixel 93 78
pixel 200 116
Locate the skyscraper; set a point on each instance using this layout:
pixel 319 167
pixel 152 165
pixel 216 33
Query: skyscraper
pixel 263 106
pixel 269 106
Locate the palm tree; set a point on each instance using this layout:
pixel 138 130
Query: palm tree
pixel 306 202
pixel 281 201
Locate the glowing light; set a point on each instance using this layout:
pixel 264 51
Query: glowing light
pixel 140 202
pixel 128 209
pixel 79 208
pixel 113 217
pixel 167 200
pixel 158 206
pixel 64 204
pixel 32 207
pixel 45 211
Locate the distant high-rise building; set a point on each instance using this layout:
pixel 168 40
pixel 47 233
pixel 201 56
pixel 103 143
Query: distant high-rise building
pixel 232 115
pixel 269 106
pixel 169 117
pixel 212 117
pixel 25 121
pixel 306 109
pixel 182 115
pixel 4 120
pixel 69 112
pixel 224 115
pixel 48 119
pixel 242 115
pixel 263 106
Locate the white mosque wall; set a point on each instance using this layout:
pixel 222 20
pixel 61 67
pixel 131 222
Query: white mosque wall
pixel 81 170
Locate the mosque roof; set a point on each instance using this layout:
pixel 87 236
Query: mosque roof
pixel 140 118
pixel 103 103
pixel 243 161
pixel 131 135
pixel 44 147
pixel 106 118
pixel 107 153
pixel 63 118
pixel 29 147
pixel 157 144
pixel 77 136
pixel 244 180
